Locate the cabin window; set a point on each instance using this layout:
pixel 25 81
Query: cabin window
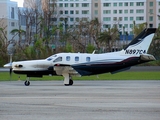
pixel 76 58
pixel 68 58
pixel 58 59
pixel 88 59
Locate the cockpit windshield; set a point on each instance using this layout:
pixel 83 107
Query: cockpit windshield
pixel 51 57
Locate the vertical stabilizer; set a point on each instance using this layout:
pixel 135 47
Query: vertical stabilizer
pixel 141 43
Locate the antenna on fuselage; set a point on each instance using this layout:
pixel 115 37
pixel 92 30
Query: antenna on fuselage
pixel 93 51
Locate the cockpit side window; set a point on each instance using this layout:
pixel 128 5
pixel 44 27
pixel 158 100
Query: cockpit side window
pixel 58 59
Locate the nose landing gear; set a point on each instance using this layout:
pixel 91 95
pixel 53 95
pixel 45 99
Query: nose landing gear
pixel 27 83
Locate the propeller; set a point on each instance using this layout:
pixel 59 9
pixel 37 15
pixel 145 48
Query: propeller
pixel 10 70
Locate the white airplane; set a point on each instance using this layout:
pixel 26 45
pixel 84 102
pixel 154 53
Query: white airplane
pixel 83 64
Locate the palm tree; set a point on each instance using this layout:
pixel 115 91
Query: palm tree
pixel 109 37
pixel 18 32
pixel 137 29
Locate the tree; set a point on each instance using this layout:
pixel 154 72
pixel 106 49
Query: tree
pixel 155 45
pixel 137 29
pixel 109 37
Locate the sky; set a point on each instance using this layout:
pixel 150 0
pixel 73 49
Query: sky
pixel 20 2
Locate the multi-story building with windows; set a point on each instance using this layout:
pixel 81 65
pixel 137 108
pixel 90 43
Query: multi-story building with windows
pixel 8 17
pixel 111 12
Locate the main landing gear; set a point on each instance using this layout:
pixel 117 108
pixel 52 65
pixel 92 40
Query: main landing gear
pixel 67 79
pixel 70 82
pixel 27 83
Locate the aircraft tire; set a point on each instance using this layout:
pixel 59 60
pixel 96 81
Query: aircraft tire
pixel 26 83
pixel 70 82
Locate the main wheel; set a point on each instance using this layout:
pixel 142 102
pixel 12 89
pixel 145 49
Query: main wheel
pixel 70 82
pixel 26 83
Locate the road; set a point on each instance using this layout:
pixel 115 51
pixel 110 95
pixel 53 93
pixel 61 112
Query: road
pixel 86 100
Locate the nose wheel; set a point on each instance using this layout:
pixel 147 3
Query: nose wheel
pixel 27 83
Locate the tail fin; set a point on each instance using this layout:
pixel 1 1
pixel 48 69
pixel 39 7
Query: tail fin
pixel 141 43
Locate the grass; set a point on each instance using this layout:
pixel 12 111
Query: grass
pixel 4 76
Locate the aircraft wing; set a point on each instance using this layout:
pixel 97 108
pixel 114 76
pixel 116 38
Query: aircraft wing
pixel 65 68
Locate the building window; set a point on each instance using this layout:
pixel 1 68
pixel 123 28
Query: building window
pixel 77 12
pixel 120 4
pixel 106 11
pixel 120 12
pixel 126 4
pixel 131 25
pixel 120 25
pixel 60 4
pixel 151 18
pixel 125 18
pixel 106 4
pixel 23 20
pixel 139 18
pixel 96 12
pixel 71 4
pixel 131 3
pixel 131 18
pixel 120 19
pixel 12 12
pixel 61 12
pixel 151 25
pixel 66 12
pixel 115 18
pixel 106 26
pixel 77 19
pixel 114 4
pixel 85 11
pixel 151 11
pixel 85 4
pixel 66 4
pixel 114 11
pixel 126 25
pixel 12 24
pixel 96 5
pixel 71 19
pixel 151 4
pixel 140 3
pixel 71 12
pixel 125 11
pixel 77 4
pixel 140 11
pixel 106 19
pixel 131 11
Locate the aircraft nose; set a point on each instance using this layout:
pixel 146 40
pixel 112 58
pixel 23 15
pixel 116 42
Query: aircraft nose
pixel 8 65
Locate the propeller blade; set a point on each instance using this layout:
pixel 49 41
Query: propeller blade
pixel 10 70
pixel 10 73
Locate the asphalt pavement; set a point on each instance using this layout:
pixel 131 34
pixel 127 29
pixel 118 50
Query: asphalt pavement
pixel 86 100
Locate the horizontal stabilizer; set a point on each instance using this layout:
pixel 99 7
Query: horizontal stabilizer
pixel 147 57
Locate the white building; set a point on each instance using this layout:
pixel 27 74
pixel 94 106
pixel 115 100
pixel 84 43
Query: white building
pixel 8 16
pixel 110 12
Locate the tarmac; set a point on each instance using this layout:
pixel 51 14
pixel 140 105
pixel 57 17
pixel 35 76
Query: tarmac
pixel 85 100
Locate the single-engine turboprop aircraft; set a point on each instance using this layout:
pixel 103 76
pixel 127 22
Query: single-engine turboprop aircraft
pixel 83 64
